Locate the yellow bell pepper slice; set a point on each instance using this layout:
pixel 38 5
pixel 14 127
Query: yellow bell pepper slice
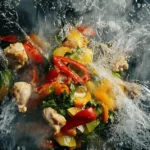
pixel 90 86
pixel 104 95
pixel 73 110
pixel 61 51
pixel 77 39
pixel 82 101
pixel 65 140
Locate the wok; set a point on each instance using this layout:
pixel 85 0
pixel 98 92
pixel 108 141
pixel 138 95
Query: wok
pixel 45 17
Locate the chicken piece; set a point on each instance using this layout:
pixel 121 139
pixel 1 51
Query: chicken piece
pixel 22 92
pixel 55 120
pixel 16 55
pixel 120 64
pixel 132 89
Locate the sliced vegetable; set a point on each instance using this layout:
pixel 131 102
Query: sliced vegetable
pixel 9 38
pixel 86 30
pixel 33 54
pixel 6 78
pixel 104 98
pixel 80 118
pixel 66 140
pixel 52 75
pixel 84 55
pixel 77 39
pixel 35 77
pixel 60 61
pixel 90 86
pixel 104 94
pixel 105 113
pixel 59 102
pixel 6 81
pixel 92 125
pixel 73 110
pixel 82 101
pixel 46 89
pixel 70 132
pixel 61 51
pixel 115 74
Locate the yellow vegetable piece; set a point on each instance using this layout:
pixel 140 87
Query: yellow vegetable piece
pixel 66 140
pixel 81 101
pixel 104 94
pixel 104 98
pixel 87 56
pixel 73 110
pixel 77 38
pixel 90 86
pixel 61 51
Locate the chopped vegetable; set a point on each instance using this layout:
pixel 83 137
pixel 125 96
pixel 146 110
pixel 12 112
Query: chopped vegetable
pixel 73 110
pixel 60 63
pixel 92 125
pixel 81 101
pixel 46 89
pixel 77 39
pixel 9 38
pixel 84 55
pixel 66 140
pixel 86 30
pixel 6 82
pixel 61 51
pixel 52 75
pixel 105 113
pixel 33 54
pixel 84 116
pixel 59 102
pixel 104 98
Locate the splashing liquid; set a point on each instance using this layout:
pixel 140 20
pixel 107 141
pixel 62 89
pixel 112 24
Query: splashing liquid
pixel 123 23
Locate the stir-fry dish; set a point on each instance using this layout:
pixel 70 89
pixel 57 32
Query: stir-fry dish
pixel 62 84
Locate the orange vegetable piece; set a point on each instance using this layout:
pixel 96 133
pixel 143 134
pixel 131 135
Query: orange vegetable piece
pixel 103 94
pixel 105 113
pixel 104 98
pixel 45 90
pixel 80 102
pixel 71 132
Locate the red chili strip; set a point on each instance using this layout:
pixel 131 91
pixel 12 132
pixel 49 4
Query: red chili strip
pixel 60 61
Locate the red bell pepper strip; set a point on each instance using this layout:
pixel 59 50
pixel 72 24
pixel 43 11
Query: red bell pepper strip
pixel 52 75
pixel 9 38
pixel 60 61
pixel 86 30
pixel 35 77
pixel 82 117
pixel 33 54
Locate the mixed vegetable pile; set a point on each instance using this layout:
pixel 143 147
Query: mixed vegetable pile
pixel 75 101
